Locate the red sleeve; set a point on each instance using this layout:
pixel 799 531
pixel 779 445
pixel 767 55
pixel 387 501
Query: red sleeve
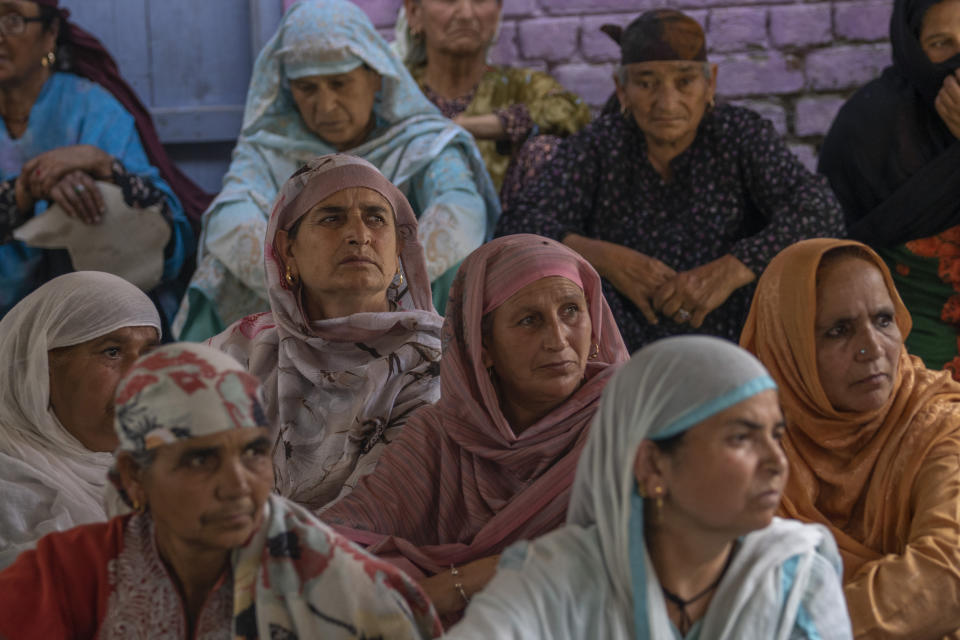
pixel 60 589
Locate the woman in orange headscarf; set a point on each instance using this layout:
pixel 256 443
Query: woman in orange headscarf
pixel 873 436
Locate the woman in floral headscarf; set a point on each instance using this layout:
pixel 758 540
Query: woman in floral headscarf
pixel 351 344
pixel 328 82
pixel 208 552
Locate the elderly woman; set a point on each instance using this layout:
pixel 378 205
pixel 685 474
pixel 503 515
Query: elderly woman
pixel 529 345
pixel 893 159
pixel 445 45
pixel 873 436
pixel 208 553
pixel 328 82
pixel 351 344
pixel 677 202
pixel 68 120
pixel 671 531
pixel 64 349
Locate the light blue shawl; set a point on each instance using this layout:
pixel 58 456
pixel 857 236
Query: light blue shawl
pixel 594 579
pixel 433 161
pixel 72 110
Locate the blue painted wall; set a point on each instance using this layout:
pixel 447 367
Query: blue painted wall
pixel 190 62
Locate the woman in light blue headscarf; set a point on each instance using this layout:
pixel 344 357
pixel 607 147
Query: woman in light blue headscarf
pixel 670 529
pixel 328 82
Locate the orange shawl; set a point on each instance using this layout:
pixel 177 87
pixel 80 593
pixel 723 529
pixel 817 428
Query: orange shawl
pixel 854 472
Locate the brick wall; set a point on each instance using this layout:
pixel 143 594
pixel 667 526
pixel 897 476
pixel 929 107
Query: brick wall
pixel 794 62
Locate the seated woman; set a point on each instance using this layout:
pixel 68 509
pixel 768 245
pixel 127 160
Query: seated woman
pixel 328 82
pixel 351 344
pixel 873 436
pixel 671 531
pixel 445 47
pixel 64 348
pixel 68 120
pixel 678 203
pixel 893 158
pixel 209 552
pixel 529 345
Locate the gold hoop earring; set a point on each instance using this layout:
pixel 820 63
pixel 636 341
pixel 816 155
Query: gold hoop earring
pixel 49 59
pixel 289 277
pixel 595 352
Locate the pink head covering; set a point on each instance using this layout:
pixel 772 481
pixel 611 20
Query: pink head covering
pixel 317 180
pixel 335 388
pixel 459 484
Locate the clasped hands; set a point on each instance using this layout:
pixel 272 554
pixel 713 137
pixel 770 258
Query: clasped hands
pixel 683 296
pixel 67 176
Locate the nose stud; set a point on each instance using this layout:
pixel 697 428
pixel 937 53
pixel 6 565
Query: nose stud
pixel 863 352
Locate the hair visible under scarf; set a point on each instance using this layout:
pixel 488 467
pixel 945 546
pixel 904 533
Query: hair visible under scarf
pixel 90 59
pixel 661 34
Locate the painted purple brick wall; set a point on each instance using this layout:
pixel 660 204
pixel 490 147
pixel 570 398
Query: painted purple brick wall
pixel 793 61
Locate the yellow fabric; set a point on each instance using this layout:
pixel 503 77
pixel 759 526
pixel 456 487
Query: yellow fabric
pixel 886 482
pixel 552 108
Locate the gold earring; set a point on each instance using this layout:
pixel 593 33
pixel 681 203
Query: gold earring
pixel 658 503
pixel 399 278
pixel 595 352
pixel 49 59
pixel 291 280
pixel 138 507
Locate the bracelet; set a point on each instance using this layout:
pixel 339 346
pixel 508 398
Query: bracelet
pixel 458 586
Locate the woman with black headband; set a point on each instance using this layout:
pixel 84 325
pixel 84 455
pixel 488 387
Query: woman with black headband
pixel 68 121
pixel 893 158
pixel 676 201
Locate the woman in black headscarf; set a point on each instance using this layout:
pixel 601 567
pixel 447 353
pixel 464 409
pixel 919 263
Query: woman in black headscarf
pixel 893 158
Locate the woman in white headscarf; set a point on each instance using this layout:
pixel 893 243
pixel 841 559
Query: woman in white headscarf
pixel 670 530
pixel 64 348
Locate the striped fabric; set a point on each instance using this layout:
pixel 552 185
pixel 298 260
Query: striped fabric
pixel 458 484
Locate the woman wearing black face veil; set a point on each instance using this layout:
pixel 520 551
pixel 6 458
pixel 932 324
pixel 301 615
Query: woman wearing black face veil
pixel 893 158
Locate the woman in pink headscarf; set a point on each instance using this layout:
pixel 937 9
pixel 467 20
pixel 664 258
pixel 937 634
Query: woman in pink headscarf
pixel 529 344
pixel 351 344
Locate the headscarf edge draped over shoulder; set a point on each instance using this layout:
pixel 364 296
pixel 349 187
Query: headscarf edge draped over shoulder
pixel 668 387
pixel 508 486
pixel 843 462
pixel 888 155
pixel 392 355
pixel 415 134
pixel 66 311
pixel 184 391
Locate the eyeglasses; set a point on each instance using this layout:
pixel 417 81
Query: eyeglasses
pixel 14 24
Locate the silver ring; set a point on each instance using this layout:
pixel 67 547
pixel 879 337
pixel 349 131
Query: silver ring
pixel 683 315
pixel 79 188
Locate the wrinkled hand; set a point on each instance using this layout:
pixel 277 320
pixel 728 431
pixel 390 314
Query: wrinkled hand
pixel 637 276
pixel 948 103
pixel 701 290
pixel 79 196
pixel 46 170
